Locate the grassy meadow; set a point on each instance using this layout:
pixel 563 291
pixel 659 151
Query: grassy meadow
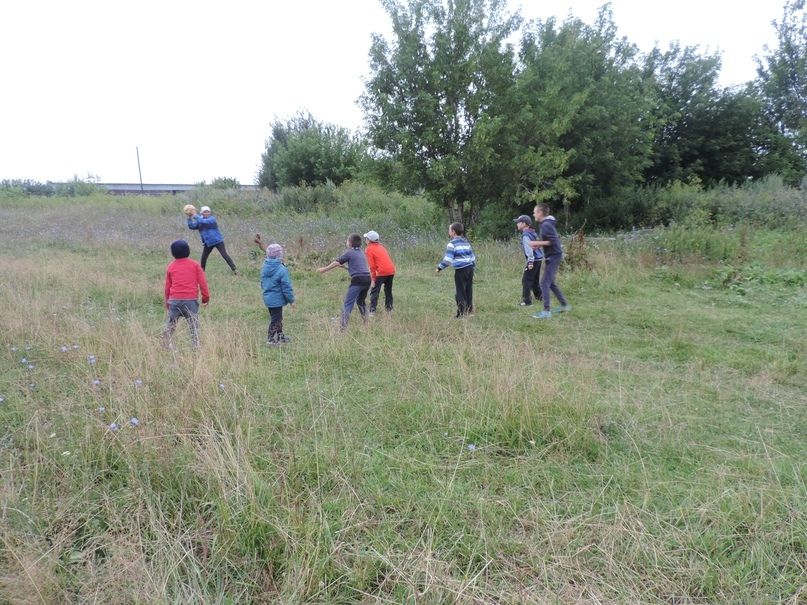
pixel 648 447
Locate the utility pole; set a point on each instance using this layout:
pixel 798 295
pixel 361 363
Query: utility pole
pixel 138 169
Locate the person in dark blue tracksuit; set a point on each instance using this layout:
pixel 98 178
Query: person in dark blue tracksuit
pixel 549 241
pixel 211 236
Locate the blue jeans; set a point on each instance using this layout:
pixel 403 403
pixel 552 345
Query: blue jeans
pixel 551 265
pixel 189 309
pixel 356 295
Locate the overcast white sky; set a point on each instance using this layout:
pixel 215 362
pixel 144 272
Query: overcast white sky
pixel 195 85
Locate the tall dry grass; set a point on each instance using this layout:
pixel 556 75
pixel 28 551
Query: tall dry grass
pixel 645 448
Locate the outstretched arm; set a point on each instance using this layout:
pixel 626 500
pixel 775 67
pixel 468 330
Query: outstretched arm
pixel 448 259
pixel 259 242
pixel 333 265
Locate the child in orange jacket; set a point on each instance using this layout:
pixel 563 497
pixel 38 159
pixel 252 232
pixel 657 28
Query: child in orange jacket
pixel 382 271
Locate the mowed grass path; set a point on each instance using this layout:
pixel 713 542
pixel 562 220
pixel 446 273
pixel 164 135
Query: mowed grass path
pixel 646 448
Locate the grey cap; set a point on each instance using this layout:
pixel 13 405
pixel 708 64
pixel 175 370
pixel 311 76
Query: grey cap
pixel 523 219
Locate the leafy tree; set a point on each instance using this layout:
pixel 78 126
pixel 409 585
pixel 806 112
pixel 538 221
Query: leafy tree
pixel 782 84
pixel 486 131
pixel 591 108
pixel 306 151
pixel 433 102
pixel 707 134
pixel 685 87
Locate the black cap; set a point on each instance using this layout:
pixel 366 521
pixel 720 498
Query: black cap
pixel 180 249
pixel 523 219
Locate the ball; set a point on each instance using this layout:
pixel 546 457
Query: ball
pixel 189 209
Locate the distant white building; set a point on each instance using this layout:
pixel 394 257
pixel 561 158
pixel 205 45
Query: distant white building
pixel 154 189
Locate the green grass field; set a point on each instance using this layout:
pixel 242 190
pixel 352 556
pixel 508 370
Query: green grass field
pixel 649 447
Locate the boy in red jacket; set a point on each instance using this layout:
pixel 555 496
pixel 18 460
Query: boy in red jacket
pixel 382 271
pixel 184 278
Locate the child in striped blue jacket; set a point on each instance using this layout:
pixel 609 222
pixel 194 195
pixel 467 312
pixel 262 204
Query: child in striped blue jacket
pixel 530 280
pixel 460 255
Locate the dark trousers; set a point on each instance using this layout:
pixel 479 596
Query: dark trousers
pixel 356 295
pixel 386 281
pixel 551 265
pixel 464 284
pixel 189 309
pixel 530 283
pixel 222 250
pixel 275 323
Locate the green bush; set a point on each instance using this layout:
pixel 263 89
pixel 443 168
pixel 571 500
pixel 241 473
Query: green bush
pixel 307 198
pixel 18 187
pixel 233 201
pixel 768 202
pixel 373 203
pixel 629 208
pixel 75 188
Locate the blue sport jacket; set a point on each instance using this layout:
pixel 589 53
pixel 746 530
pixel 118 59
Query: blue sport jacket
pixel 208 229
pixel 276 283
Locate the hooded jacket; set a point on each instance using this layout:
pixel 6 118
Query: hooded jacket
pixel 208 229
pixel 276 283
pixel 549 233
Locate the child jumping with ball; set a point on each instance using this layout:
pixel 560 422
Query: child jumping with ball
pixel 209 232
